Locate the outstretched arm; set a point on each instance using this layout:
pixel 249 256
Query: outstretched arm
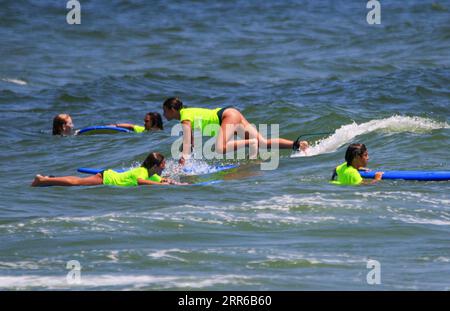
pixel 124 125
pixel 164 181
pixel 173 182
pixel 150 182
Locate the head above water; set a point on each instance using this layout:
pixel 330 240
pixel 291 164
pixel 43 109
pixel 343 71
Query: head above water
pixel 172 107
pixel 62 124
pixel 357 155
pixel 153 121
pixel 154 162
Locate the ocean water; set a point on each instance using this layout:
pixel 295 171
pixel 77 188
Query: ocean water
pixel 309 66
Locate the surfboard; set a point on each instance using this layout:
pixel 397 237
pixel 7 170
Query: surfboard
pixel 202 183
pixel 188 170
pixel 93 171
pixel 410 175
pixel 103 129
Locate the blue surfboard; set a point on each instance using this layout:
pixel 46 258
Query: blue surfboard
pixel 93 171
pixel 202 183
pixel 211 170
pixel 410 175
pixel 103 129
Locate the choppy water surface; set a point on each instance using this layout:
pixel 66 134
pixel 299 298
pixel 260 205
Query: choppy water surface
pixel 314 66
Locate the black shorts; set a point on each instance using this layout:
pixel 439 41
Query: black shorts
pixel 220 113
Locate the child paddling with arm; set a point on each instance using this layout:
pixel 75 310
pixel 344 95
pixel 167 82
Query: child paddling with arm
pixel 147 174
pixel 356 158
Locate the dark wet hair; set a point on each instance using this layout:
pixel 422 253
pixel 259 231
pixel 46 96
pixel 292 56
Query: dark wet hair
pixel 154 158
pixel 173 103
pixel 156 119
pixel 58 122
pixel 354 150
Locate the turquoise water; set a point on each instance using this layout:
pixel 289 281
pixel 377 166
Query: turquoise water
pixel 314 66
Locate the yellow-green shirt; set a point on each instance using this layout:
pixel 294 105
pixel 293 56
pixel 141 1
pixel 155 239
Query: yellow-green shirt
pixel 347 175
pixel 205 120
pixel 128 178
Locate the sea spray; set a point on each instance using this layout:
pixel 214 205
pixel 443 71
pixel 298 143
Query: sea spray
pixel 395 124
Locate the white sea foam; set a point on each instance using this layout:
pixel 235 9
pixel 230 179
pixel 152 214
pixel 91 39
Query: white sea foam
pixel 440 200
pixel 130 281
pixel 192 167
pixel 292 257
pixel 347 133
pixel 416 220
pixel 287 202
pixel 441 218
pixel 114 256
pixel 280 210
pixel 164 253
pixel 15 81
pixel 28 265
pixel 442 259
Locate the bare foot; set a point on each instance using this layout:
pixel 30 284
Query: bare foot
pixel 38 180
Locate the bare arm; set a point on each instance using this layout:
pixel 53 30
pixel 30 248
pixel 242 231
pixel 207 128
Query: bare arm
pixel 150 182
pixel 173 182
pixel 124 125
pixel 378 177
pixel 187 141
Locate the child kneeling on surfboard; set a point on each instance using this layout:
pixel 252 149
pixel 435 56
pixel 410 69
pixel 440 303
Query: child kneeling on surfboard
pixel 356 158
pixel 147 174
pixel 227 121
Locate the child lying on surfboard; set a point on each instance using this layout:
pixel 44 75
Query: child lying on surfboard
pixel 147 174
pixel 356 158
pixel 152 121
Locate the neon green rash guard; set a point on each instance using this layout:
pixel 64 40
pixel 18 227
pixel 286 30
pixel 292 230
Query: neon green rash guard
pixel 201 118
pixel 347 175
pixel 138 129
pixel 128 178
